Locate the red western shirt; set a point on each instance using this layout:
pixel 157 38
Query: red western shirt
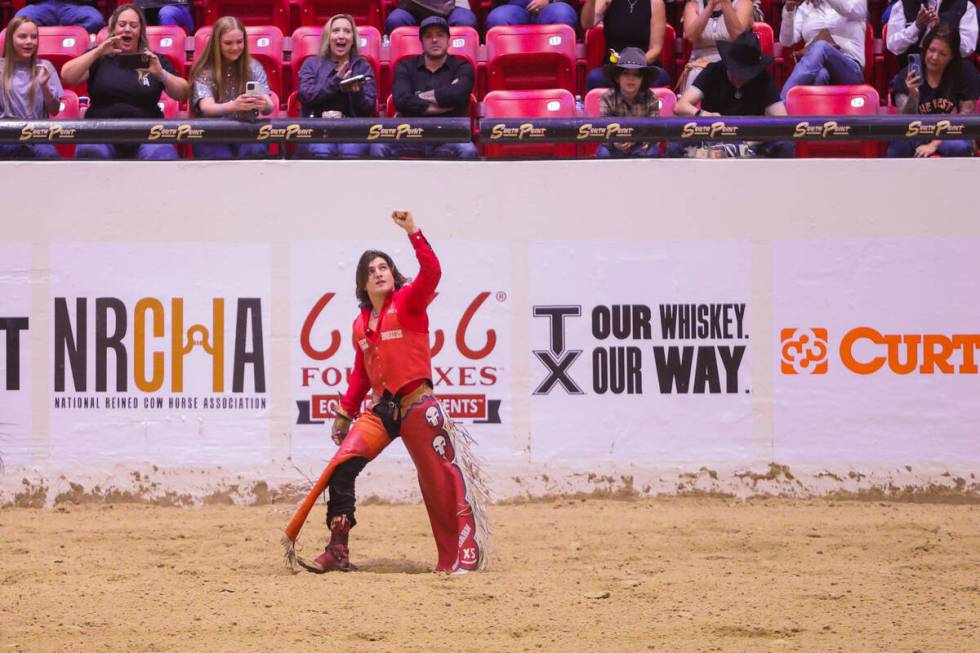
pixel 396 353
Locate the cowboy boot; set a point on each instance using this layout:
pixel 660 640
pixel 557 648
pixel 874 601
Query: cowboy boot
pixel 336 557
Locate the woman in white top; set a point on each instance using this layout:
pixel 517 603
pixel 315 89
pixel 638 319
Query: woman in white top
pixel 833 32
pixel 705 23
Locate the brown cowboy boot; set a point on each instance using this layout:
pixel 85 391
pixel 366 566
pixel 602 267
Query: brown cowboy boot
pixel 336 557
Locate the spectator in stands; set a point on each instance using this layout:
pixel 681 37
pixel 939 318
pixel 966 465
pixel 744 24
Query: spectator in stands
pixel 321 93
pixel 833 32
pixel 434 83
pixel 65 12
pixel 532 12
pixel 117 91
pixel 738 85
pixel 410 12
pixel 168 12
pixel 627 23
pixel 630 97
pixel 911 19
pixel 946 85
pixel 705 23
pixel 29 87
pixel 219 79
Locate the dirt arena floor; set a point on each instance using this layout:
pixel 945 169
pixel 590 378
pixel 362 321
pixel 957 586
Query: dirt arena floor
pixel 678 574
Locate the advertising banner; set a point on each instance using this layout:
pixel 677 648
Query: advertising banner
pixel 160 352
pixel 876 358
pixel 16 444
pixel 469 326
pixel 640 350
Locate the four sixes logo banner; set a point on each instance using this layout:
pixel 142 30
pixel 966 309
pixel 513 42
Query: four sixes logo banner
pixel 469 330
pixel 887 346
pixel 640 350
pixel 15 354
pixel 160 353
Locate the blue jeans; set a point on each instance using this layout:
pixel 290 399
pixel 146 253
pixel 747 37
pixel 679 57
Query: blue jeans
pixel 417 150
pixel 823 64
pixel 516 13
pixel 144 152
pixel 458 17
pixel 230 151
pixel 636 152
pixel 906 149
pixel 334 150
pixel 54 13
pixel 597 79
pixel 25 151
pixel 179 15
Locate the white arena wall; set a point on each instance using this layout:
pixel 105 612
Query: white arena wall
pixel 188 323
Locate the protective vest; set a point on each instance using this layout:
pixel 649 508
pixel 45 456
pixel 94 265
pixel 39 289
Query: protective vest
pixel 395 356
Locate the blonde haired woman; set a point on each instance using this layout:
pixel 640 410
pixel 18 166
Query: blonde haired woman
pixel 29 87
pixel 323 91
pixel 219 77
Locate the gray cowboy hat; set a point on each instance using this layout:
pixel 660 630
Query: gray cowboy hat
pixel 632 59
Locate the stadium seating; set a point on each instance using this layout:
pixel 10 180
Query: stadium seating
pixel 57 44
pixel 250 12
pixel 858 100
pixel 595 49
pixel 69 110
pixel 366 13
pixel 543 103
pixel 463 42
pixel 592 108
pixel 306 43
pixel 886 65
pixel 265 45
pixel 523 57
pixel 167 40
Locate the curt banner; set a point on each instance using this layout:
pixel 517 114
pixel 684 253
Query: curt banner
pixel 160 352
pixel 469 327
pixel 640 351
pixel 881 362
pixel 16 445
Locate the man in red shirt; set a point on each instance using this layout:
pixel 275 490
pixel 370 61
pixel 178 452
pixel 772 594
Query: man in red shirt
pixel 392 360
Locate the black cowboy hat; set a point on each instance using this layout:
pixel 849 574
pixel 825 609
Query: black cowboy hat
pixel 632 59
pixel 743 57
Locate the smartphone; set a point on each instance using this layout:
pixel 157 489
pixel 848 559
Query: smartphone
pixel 915 64
pixel 134 61
pixel 253 88
pixel 352 80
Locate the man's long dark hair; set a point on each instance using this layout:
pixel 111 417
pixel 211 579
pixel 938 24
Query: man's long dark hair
pixel 361 276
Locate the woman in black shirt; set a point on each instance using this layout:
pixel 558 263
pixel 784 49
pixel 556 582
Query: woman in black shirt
pixel 117 91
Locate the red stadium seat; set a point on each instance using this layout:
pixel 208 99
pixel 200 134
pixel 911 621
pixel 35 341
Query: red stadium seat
pixel 463 42
pixel 366 13
pixel 169 106
pixel 886 65
pixel 168 40
pixel 523 57
pixel 69 110
pixel 58 44
pixel 860 100
pixel 543 103
pixel 306 43
pixel 250 12
pixel 264 44
pixel 595 49
pixel 592 107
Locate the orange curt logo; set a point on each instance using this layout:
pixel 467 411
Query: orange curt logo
pixel 803 351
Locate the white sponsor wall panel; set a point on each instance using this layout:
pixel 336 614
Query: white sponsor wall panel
pixel 640 350
pixel 469 325
pixel 16 443
pixel 889 371
pixel 190 321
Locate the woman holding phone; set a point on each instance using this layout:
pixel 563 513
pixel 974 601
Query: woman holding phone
pixel 29 87
pixel 125 80
pixel 939 83
pixel 228 83
pixel 338 83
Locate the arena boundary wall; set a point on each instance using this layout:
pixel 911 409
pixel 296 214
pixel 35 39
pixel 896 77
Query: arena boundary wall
pixel 177 332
